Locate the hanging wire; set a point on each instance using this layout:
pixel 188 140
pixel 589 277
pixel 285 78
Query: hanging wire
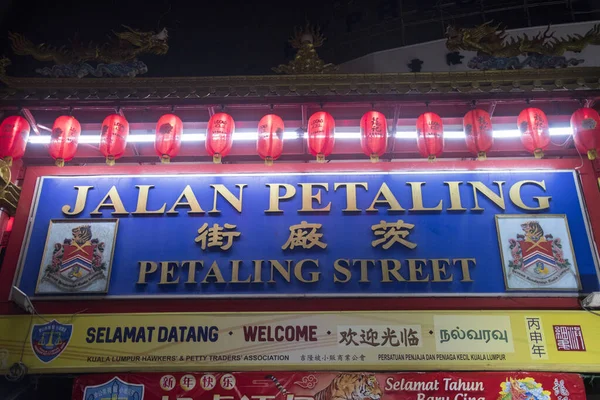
pixel 563 143
pixel 162 16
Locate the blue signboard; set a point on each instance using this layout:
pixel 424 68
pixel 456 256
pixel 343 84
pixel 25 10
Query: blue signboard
pixel 367 234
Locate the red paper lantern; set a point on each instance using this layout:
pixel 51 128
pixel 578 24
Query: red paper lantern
pixel 270 138
pixel 585 124
pixel 219 136
pixel 169 130
pixel 373 134
pixel 535 134
pixel 14 134
pixel 64 139
pixel 430 135
pixel 113 140
pixel 478 132
pixel 321 135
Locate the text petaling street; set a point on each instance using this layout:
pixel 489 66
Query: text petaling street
pixel 306 271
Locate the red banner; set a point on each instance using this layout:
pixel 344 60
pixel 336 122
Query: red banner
pixel 330 386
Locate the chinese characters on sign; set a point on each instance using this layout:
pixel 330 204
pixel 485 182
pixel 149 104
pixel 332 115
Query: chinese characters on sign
pixel 380 336
pixel 569 338
pixel 332 357
pixel 560 391
pixel 167 382
pixel 536 339
pixel 217 236
pixel 389 233
pixel 306 236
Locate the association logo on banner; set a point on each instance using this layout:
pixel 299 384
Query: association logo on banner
pixel 49 340
pixel 114 389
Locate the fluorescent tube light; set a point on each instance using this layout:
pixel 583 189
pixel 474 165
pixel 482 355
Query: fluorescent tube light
pixel 293 135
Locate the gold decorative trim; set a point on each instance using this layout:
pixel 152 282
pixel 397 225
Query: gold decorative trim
pixel 9 192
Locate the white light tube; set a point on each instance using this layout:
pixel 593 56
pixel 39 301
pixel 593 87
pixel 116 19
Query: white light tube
pixel 293 135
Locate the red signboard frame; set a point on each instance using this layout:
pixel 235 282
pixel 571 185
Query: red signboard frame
pixel 587 173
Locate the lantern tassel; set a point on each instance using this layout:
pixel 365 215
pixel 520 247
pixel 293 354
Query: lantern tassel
pixel 217 158
pixel 592 154
pixel 538 153
pixel 320 158
pixel 269 161
pixel 8 160
pixel 110 160
pixel 431 158
pixel 481 156
pixel 165 159
pixel 60 162
pixel 374 158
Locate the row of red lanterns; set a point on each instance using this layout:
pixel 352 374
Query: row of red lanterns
pixel 532 124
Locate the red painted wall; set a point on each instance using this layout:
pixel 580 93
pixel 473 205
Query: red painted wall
pixel 587 172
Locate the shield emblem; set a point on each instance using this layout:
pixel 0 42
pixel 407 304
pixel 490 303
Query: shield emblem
pixel 538 257
pixel 114 389
pixel 76 262
pixel 49 340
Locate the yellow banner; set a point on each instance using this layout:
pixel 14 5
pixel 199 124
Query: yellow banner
pixel 411 340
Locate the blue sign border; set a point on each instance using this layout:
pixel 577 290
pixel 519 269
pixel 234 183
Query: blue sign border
pixel 406 293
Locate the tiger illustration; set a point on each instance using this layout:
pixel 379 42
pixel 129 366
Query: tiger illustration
pixel 345 386
pixel 82 234
pixel 533 231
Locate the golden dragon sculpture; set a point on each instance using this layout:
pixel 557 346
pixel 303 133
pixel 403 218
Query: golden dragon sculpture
pixel 491 40
pixel 127 47
pixel 307 60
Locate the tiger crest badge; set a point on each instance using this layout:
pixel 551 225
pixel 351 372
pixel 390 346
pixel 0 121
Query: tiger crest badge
pixel 537 257
pixel 77 256
pixel 78 261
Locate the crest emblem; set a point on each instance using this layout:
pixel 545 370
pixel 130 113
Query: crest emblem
pixel 77 256
pixel 49 340
pixel 115 389
pixel 537 257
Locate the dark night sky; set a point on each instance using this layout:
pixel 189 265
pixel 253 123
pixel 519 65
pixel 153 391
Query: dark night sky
pixel 205 38
pixel 236 37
